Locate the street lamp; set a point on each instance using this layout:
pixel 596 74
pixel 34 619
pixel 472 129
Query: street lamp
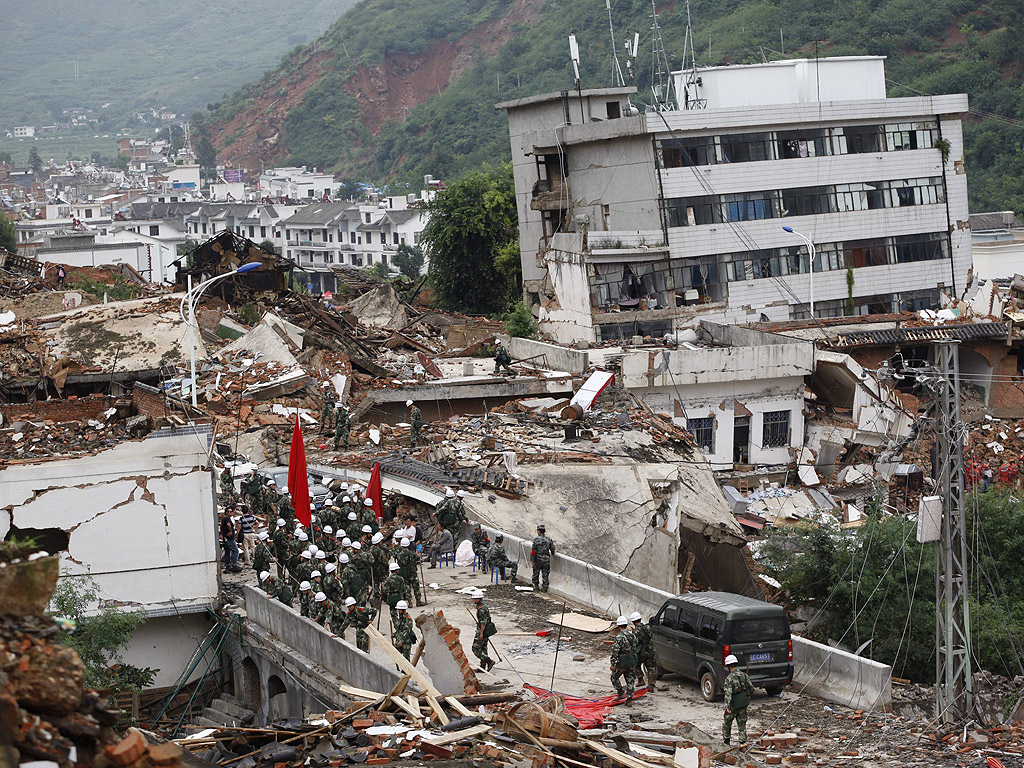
pixel 192 296
pixel 810 247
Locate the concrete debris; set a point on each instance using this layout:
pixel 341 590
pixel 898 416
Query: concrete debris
pixel 380 308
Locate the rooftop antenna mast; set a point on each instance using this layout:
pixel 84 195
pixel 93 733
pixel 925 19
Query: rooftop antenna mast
pixel 617 79
pixel 574 54
pixel 661 73
pixel 693 81
pixel 631 47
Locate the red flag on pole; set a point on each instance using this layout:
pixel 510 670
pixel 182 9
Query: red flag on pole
pixel 375 491
pixel 298 480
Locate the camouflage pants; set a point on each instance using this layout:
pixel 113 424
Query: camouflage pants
pixel 740 716
pixel 480 650
pixel 341 437
pixel 415 437
pixel 629 675
pixel 541 574
pixel 362 640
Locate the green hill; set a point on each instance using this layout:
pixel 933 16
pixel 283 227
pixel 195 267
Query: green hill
pixel 131 53
pixel 399 88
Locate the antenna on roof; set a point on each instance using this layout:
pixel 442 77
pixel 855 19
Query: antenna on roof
pixel 631 49
pixel 690 98
pixel 617 78
pixel 574 54
pixel 661 73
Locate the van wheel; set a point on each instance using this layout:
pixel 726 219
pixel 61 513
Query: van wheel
pixel 708 687
pixel 773 691
pixel 659 672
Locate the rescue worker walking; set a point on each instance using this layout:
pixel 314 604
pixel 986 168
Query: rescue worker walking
pixel 646 655
pixel 737 689
pixel 416 420
pixel 342 426
pixel 484 629
pixel 540 555
pixel 623 660
pixel 402 635
pixel 502 359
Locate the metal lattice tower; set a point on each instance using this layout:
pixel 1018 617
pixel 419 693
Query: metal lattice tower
pixel 954 690
pixel 662 87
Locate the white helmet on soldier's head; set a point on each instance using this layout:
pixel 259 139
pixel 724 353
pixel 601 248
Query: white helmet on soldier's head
pixel 367 529
pixel 449 493
pixel 401 605
pixel 320 597
pixel 392 566
pixel 264 575
pixel 377 538
pixel 477 594
pixel 304 586
pixel 408 403
pixel 330 567
pixel 461 494
pixel 622 621
pixel 635 616
pixel 343 558
pixel 404 542
pixel 350 601
pixel 315 575
pixel 731 661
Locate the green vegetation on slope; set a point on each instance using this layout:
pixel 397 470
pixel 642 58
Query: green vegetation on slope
pixel 945 46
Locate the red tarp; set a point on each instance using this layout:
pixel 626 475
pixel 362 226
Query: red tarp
pixel 590 712
pixel 298 480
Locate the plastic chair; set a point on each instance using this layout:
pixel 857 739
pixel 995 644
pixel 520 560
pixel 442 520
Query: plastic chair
pixel 479 559
pixel 447 558
pixel 496 575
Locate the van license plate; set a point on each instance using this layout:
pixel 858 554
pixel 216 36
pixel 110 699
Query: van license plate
pixel 756 657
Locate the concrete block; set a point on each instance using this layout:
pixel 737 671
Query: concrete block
pixel 840 676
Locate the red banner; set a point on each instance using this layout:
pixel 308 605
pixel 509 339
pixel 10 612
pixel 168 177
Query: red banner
pixel 298 480
pixel 375 491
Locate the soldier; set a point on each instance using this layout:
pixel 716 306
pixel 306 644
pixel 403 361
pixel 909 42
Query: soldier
pixel 327 412
pixel 540 555
pixel 321 609
pixel 496 558
pixel 303 569
pixel 280 537
pixel 416 420
pixel 369 517
pixel 623 660
pixel 305 599
pixel 737 689
pixel 360 616
pixel 394 588
pixel 342 427
pixel 484 629
pixel 362 572
pixel 252 491
pixel 502 359
pixel 227 487
pixel 329 583
pixel 262 558
pixel 379 558
pixel 283 592
pixel 645 652
pixel 409 564
pixel 480 541
pixel 402 635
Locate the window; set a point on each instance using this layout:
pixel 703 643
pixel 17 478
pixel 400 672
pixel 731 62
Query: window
pixel 612 110
pixel 745 147
pixel 351 237
pixel 252 231
pixel 681 153
pixel 668 616
pixel 154 230
pixel 710 627
pixel 88 213
pixel 759 630
pixel 367 218
pixel 309 193
pixel 703 431
pixel 263 231
pixel 323 235
pixel 416 238
pixel 204 228
pixel 776 429
pixel 687 621
pixel 395 238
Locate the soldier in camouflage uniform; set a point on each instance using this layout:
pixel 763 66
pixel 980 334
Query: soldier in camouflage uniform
pixel 624 660
pixel 394 589
pixel 496 558
pixel 327 411
pixel 480 541
pixel 321 609
pixel 360 616
pixel 737 689
pixel 305 599
pixel 645 652
pixel 276 588
pixel 227 487
pixel 409 568
pixel 402 635
pixel 540 555
pixel 484 629
pixel 262 558
pixel 342 427
pixel 416 420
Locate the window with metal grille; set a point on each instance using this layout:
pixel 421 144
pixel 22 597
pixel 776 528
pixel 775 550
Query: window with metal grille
pixel 703 431
pixel 776 429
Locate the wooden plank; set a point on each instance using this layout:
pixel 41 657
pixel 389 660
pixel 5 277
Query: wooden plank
pixel 403 663
pixel 406 707
pixel 620 757
pixel 465 733
pixel 458 706
pixel 359 693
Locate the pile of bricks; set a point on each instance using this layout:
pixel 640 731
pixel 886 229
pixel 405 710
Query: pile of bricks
pixel 450 636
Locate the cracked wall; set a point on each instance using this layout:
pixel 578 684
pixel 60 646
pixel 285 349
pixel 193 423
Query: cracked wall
pixel 140 518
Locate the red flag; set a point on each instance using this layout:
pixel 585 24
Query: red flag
pixel 298 480
pixel 995 763
pixel 375 491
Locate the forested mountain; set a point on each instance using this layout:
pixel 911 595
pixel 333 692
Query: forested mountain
pixel 182 55
pixel 400 88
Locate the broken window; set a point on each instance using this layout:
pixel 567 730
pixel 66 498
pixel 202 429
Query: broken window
pixel 703 431
pixel 776 429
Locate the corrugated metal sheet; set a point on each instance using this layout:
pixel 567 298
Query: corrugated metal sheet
pixel 920 334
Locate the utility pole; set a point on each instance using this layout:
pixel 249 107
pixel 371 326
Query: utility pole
pixel 954 688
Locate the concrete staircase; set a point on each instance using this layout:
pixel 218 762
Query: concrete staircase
pixel 225 711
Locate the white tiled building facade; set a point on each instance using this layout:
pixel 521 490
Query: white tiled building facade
pixel 686 208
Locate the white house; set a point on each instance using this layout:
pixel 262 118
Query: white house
pixel 297 183
pixel 629 222
pixel 24 131
pixel 997 245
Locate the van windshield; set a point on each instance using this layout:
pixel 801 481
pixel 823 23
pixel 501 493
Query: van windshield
pixel 759 630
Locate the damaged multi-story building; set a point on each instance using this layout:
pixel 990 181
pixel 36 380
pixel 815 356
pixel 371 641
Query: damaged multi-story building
pixel 632 223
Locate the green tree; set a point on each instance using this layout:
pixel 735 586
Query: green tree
pixel 379 270
pixel 519 321
pixel 470 222
pixel 350 189
pixel 99 637
pixel 267 246
pixel 206 154
pixel 409 260
pixel 8 235
pixel 35 162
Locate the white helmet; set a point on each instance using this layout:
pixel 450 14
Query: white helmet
pixel 352 516
pixel 408 403
pixel 330 568
pixel 477 594
pixel 356 488
pixel 731 660
pixel 304 586
pixel 401 605
pixel 367 502
pixel 264 535
pixel 635 616
pixel 328 529
pixel 313 549
pixel 405 542
pixel 306 554
pixel 343 558
pixel 340 534
pixel 349 602
pixel 357 545
pixel 264 575
pixel 449 493
pixel 302 536
pixel 320 597
pixel 315 575
pixel 344 486
pixel 346 542
pixel 271 482
pixel 281 523
pixel 377 538
pixel 347 499
pixel 622 621
pixel 366 529
pixel 461 494
pixel 392 566
pixel 320 555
